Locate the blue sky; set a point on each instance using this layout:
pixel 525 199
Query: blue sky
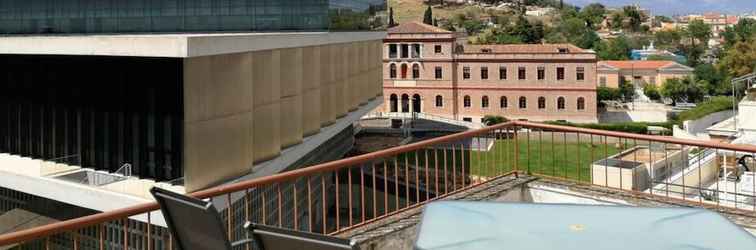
pixel 672 7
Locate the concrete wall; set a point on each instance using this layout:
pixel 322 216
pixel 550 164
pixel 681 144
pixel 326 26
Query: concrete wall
pixel 243 108
pixel 639 178
pixel 635 179
pixel 698 127
pixel 696 178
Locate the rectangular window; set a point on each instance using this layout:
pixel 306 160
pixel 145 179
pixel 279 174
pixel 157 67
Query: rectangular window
pixel 502 73
pixel 437 49
pixel 541 73
pixel 484 73
pixel 415 50
pixel 466 72
pixel 580 75
pixel 602 81
pixel 405 50
pixel 560 73
pixel 439 73
pixel 521 73
pixel 393 51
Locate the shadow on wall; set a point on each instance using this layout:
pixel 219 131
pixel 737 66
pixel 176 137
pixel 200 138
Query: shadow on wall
pixel 614 116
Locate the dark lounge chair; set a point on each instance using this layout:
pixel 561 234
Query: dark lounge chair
pixel 196 225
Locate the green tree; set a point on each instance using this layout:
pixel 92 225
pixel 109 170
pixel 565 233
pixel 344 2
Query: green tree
pixel 391 23
pixel 491 120
pixel 710 75
pixel 634 16
pixel 652 92
pixel 698 30
pixel 683 90
pixel 525 31
pixel 668 39
pixel 473 26
pixel 505 38
pixel 627 91
pixel 459 19
pixel 593 14
pixel 673 89
pixel 606 94
pixel 616 20
pixel 614 49
pixel 740 59
pixel 428 16
pixel 743 31
pixel 588 40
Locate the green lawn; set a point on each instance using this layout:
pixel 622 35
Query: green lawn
pixel 560 158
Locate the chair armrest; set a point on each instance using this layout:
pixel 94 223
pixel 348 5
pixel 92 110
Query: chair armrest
pixel 242 242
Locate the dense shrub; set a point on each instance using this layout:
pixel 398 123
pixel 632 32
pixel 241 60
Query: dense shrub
pixel 713 105
pixel 627 127
pixel 490 120
pixel 607 94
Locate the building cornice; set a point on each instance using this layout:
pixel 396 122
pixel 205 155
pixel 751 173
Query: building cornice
pixel 590 89
pixel 415 40
pixel 174 45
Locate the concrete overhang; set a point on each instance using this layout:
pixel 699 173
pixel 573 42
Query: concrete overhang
pixel 174 45
pixel 15 174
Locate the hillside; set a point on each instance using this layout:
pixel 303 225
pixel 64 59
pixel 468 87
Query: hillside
pixel 412 10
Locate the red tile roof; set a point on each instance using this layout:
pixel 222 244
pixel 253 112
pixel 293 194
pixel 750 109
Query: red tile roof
pixel 522 48
pixel 416 27
pixel 732 19
pixel 637 64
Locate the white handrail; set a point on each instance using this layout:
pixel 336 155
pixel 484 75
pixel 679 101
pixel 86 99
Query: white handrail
pixel 425 116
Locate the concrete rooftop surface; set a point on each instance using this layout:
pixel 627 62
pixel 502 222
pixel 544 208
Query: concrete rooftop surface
pixel 399 231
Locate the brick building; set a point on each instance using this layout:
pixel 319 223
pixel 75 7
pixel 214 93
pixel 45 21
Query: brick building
pixel 425 70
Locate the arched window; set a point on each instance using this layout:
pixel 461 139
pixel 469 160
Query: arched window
pixel 394 103
pixel 417 103
pixel 405 103
pixel 560 103
pixel 484 102
pixel 404 71
pixel 523 102
pixel 541 102
pixel 415 71
pixel 467 101
pixel 392 71
pixel 503 102
pixel 581 103
pixel 439 101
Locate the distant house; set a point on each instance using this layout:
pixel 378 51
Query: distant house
pixel 646 52
pixel 611 73
pixel 539 11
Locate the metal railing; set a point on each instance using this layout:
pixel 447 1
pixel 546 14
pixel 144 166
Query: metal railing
pixel 337 196
pixel 426 116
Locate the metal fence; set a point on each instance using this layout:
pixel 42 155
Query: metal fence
pixel 338 196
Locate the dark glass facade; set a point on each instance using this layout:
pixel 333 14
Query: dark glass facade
pixel 102 111
pixel 141 16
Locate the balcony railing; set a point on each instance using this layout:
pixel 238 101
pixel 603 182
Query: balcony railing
pixel 337 196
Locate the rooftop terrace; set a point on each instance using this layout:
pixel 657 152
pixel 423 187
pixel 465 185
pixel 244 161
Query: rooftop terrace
pixel 376 198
